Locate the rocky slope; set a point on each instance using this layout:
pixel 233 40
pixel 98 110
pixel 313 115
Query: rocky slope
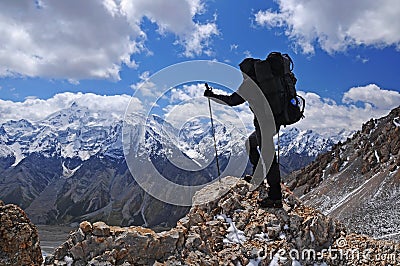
pixel 359 180
pixel 19 240
pixel 231 230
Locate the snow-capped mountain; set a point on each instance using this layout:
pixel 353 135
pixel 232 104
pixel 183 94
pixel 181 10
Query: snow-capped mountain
pixel 71 133
pixel 71 165
pixel 299 148
pixel 77 133
pixel 307 143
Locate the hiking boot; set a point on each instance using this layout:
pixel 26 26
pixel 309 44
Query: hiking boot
pixel 270 203
pixel 247 178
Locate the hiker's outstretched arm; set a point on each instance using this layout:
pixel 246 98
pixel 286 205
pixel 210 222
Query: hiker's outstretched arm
pixel 231 100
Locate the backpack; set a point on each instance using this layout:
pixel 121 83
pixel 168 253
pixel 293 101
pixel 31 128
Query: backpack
pixel 277 81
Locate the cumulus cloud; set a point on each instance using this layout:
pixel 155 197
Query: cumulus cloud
pixel 187 103
pixel 358 105
pixel 335 25
pixel 322 115
pixel 199 38
pixel 76 39
pixel 34 109
pixel 145 87
pixel 71 40
pixel 372 94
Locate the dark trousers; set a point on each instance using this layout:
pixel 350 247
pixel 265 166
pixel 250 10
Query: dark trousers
pixel 274 174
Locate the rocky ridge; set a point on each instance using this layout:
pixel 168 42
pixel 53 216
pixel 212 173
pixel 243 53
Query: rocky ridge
pixel 231 230
pixel 19 240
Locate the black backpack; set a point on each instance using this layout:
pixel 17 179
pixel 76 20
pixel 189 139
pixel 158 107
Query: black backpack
pixel 275 78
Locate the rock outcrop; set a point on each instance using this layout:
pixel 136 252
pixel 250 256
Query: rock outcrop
pixel 231 230
pixel 19 240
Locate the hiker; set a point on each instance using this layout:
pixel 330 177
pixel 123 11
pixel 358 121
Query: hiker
pixel 286 110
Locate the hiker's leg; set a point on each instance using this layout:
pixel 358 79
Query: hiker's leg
pixel 258 169
pixel 273 175
pixel 251 145
pixel 274 181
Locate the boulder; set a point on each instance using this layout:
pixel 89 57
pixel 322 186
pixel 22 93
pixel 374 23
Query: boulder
pixel 19 239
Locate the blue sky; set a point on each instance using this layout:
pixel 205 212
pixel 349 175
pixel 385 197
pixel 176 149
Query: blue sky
pixel 343 52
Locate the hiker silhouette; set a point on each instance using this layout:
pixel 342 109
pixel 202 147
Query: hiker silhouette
pixel 274 199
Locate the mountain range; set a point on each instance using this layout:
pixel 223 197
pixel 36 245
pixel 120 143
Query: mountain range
pixel 70 166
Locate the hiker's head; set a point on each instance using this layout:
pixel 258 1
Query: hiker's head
pixel 247 67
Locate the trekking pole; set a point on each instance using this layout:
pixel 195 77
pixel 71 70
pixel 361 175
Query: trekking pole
pixel 213 133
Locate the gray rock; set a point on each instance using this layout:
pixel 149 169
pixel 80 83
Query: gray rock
pixel 101 229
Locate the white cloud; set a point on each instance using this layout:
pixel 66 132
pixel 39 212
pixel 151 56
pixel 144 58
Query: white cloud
pixel 145 87
pixel 247 53
pixel 359 105
pixel 186 93
pixel 234 47
pixel 362 59
pixel 71 40
pixel 336 25
pixel 188 102
pixel 372 94
pixel 34 109
pixel 323 115
pixel 76 39
pixel 199 38
pixel 177 17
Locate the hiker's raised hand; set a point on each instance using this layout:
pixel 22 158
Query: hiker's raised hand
pixel 208 93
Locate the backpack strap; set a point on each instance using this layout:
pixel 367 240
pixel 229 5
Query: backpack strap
pixel 290 60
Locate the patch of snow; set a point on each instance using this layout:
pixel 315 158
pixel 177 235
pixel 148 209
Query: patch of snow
pixel 377 157
pixel 396 121
pixel 343 166
pixel 220 217
pixel 85 155
pixel 312 236
pixel 254 262
pixel 286 227
pixel 69 172
pixel 16 147
pixel 388 235
pixel 262 236
pixel 5 151
pixel 276 260
pixel 68 260
pixel 295 263
pixel 344 199
pixel 234 235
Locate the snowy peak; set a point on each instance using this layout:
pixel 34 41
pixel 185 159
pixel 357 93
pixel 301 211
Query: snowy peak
pixel 68 133
pixel 77 132
pixel 306 142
